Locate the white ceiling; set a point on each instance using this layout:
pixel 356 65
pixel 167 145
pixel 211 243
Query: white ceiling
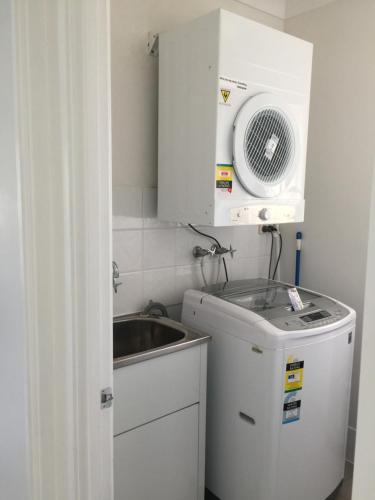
pixel 286 8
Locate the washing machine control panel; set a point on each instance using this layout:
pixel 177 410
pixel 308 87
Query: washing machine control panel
pixel 309 320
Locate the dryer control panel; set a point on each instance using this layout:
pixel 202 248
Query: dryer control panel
pixel 264 213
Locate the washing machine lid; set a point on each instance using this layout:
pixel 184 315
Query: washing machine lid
pixel 270 300
pixel 260 295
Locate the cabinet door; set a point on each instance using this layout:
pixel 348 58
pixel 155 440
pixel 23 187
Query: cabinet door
pixel 157 387
pixel 159 460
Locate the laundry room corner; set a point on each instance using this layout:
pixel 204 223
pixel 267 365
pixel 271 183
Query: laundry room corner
pixel 155 258
pixel 340 161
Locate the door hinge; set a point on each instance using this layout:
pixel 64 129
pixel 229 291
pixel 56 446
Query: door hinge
pixel 106 398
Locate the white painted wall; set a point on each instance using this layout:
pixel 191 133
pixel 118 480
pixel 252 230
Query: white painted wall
pixel 340 159
pixel 296 7
pixel 155 258
pixel 134 78
pixel 13 372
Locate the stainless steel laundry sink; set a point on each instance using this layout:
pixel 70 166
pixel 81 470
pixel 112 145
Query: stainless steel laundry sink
pixel 138 337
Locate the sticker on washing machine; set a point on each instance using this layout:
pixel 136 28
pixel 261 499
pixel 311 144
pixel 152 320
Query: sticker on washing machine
pixel 291 407
pixel 224 177
pixel 294 375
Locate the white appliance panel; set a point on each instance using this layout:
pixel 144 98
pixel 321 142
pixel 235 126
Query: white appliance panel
pixel 273 434
pixel 208 69
pixel 312 449
pixel 246 388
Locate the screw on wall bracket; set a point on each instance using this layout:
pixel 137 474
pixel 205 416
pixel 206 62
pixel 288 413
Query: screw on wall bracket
pixel 153 44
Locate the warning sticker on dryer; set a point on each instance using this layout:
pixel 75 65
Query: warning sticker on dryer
pixel 225 93
pixel 224 177
pixel 291 407
pixel 228 88
pixel 294 376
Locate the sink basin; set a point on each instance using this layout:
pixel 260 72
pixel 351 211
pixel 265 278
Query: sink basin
pixel 136 338
pixel 139 335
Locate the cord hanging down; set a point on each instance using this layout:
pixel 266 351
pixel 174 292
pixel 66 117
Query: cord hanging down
pixel 272 230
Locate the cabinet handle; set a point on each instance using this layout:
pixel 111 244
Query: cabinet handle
pixel 247 418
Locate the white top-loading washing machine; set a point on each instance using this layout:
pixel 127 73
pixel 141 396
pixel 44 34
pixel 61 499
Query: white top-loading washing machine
pixel 278 389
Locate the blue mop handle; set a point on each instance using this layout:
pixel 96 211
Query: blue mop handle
pixel 298 258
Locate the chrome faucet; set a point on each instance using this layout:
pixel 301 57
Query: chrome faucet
pixel 115 276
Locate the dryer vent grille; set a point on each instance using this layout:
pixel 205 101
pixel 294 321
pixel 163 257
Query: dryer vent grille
pixel 269 145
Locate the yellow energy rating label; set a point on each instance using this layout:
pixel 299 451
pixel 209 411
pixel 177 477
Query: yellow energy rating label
pixel 294 376
pixel 224 176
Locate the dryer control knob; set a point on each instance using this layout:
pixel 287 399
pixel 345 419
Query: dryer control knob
pixel 264 214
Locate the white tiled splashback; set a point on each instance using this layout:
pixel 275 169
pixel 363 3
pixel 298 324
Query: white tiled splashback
pixel 155 258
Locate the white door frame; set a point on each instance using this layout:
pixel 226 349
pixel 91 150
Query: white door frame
pixel 364 463
pixel 61 54
pixel 13 370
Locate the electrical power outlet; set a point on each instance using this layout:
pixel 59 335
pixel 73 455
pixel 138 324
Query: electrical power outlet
pixel 260 228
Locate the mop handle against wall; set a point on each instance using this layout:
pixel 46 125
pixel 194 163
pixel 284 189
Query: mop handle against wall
pixel 298 258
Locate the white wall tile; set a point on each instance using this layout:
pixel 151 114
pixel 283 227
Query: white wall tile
pixel 248 242
pixel 164 255
pixel 129 296
pixel 128 250
pixel 159 248
pixel 174 312
pixel 187 277
pixel 159 286
pixel 185 242
pixel 223 234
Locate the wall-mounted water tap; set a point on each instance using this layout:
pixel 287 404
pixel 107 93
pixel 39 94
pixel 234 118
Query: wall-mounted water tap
pixel 115 276
pixel 217 250
pixel 202 252
pixel 214 250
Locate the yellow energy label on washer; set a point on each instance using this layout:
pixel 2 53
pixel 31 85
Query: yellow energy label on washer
pixel 294 376
pixel 224 176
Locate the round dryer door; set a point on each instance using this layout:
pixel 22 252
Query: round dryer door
pixel 265 145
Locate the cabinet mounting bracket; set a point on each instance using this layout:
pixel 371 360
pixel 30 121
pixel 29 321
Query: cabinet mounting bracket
pixel 153 44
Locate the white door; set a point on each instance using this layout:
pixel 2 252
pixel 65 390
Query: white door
pixel 13 369
pixel 61 98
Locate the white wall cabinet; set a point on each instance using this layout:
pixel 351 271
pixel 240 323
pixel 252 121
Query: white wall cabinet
pixel 159 427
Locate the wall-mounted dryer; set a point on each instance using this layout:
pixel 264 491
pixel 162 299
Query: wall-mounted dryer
pixel 233 118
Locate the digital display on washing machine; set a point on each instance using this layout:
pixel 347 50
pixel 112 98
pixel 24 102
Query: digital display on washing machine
pixel 315 316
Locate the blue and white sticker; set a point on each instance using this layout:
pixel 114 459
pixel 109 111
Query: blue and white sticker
pixel 292 407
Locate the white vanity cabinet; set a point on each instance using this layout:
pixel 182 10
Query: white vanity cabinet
pixel 159 427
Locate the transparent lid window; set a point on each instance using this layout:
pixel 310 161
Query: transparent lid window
pixel 259 295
